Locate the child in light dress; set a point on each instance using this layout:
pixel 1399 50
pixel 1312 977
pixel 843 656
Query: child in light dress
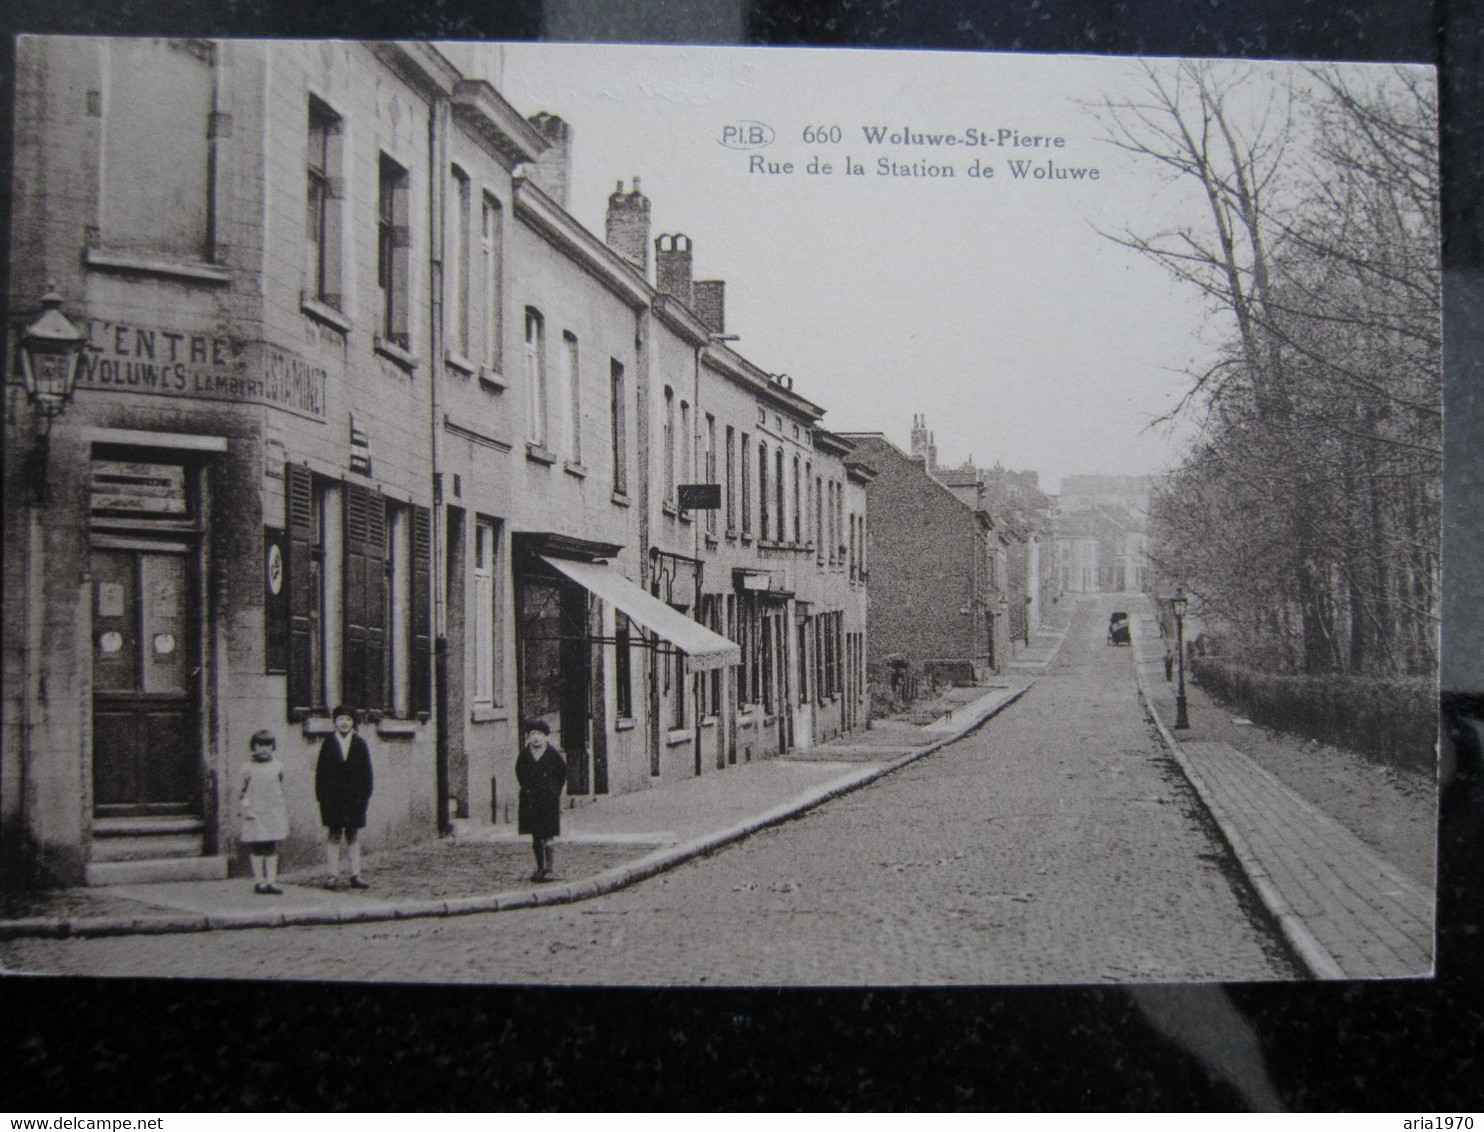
pixel 265 812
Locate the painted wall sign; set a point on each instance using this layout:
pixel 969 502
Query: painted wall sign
pixel 156 360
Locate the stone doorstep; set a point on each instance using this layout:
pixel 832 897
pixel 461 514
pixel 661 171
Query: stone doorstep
pixel 102 873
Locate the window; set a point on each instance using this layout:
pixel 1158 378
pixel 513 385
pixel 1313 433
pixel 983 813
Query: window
pixel 359 598
pixel 491 236
pixel 762 491
pixel 798 520
pixel 393 253
pixel 159 140
pixel 458 280
pixel 687 467
pixel 803 660
pixel 487 628
pixel 322 222
pixel 619 437
pixel 731 484
pixel 852 546
pixel 669 427
pixel 572 397
pixel 623 676
pixel 710 439
pixel 819 520
pixel 746 463
pixel 535 347
pixel 782 534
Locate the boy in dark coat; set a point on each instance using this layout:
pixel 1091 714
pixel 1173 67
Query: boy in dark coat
pixel 342 786
pixel 541 772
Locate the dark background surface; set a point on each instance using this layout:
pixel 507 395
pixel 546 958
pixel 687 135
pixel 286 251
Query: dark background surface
pixel 158 1045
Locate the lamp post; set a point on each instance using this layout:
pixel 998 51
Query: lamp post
pixel 50 348
pixel 1177 604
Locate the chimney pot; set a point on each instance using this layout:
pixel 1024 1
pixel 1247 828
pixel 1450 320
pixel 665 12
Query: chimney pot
pixel 627 230
pixel 672 265
pixel 554 165
pixel 710 304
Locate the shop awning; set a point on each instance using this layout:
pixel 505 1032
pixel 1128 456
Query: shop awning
pixel 703 648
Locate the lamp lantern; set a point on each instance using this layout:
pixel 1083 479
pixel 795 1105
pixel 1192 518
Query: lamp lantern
pixel 50 348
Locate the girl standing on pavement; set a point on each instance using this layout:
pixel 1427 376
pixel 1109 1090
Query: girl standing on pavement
pixel 342 786
pixel 265 812
pixel 541 772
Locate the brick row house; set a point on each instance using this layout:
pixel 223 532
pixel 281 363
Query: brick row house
pixel 364 415
pixel 938 608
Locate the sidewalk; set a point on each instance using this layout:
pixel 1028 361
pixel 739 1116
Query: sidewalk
pixel 606 844
pixel 1346 912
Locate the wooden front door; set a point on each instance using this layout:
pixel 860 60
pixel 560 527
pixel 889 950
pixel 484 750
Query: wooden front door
pixel 146 675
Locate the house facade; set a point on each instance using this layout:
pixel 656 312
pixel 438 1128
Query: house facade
pixel 364 416
pixel 937 568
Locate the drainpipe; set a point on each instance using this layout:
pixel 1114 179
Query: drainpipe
pixel 695 449
pixel 437 211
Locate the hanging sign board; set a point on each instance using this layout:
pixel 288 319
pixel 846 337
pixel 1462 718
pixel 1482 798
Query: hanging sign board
pixel 700 496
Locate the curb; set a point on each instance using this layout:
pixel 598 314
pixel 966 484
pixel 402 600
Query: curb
pixel 1315 958
pixel 619 877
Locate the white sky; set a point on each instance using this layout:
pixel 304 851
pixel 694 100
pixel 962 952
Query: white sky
pixel 993 307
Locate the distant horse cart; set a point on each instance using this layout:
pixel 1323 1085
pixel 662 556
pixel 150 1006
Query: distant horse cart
pixel 1118 629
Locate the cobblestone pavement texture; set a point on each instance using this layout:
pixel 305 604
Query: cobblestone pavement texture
pixel 1348 910
pixel 1057 844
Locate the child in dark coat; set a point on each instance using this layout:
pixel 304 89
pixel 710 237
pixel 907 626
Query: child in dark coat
pixel 342 786
pixel 541 772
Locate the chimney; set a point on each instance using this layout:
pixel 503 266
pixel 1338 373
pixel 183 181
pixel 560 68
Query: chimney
pixel 628 225
pixel 711 304
pixel 920 438
pixel 554 165
pixel 672 266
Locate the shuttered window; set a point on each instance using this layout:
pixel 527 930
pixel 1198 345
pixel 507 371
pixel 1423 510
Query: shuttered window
pixel 365 599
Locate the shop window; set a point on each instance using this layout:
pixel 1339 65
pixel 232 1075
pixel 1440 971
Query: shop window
pixel 487 621
pixel 623 667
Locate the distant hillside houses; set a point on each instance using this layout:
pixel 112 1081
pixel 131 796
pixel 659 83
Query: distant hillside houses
pixel 1101 533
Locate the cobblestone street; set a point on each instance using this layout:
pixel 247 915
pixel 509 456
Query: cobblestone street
pixel 1056 844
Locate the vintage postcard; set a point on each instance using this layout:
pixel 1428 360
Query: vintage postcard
pixel 597 515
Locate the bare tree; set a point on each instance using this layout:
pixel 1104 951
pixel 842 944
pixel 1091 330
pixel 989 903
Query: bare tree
pixel 1309 512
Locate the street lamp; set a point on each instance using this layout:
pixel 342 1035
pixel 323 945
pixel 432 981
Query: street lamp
pixel 1177 605
pixel 49 349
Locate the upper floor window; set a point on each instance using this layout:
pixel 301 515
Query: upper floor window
pixel 731 484
pixel 324 193
pixel 160 133
pixel 618 426
pixel 491 235
pixel 687 468
pixel 746 464
pixel 798 511
pixel 459 265
pixel 572 396
pixel 710 439
pixel 669 427
pixel 393 254
pixel 535 350
pixel 762 491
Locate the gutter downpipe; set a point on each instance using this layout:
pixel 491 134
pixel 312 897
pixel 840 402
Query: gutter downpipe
pixel 437 210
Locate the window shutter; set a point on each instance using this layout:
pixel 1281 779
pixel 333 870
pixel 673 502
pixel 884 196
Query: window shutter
pixel 300 488
pixel 421 666
pixel 365 597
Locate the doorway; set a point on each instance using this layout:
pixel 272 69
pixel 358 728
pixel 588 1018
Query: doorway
pixel 146 677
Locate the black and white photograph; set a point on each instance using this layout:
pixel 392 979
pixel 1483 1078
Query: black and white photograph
pixel 655 516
